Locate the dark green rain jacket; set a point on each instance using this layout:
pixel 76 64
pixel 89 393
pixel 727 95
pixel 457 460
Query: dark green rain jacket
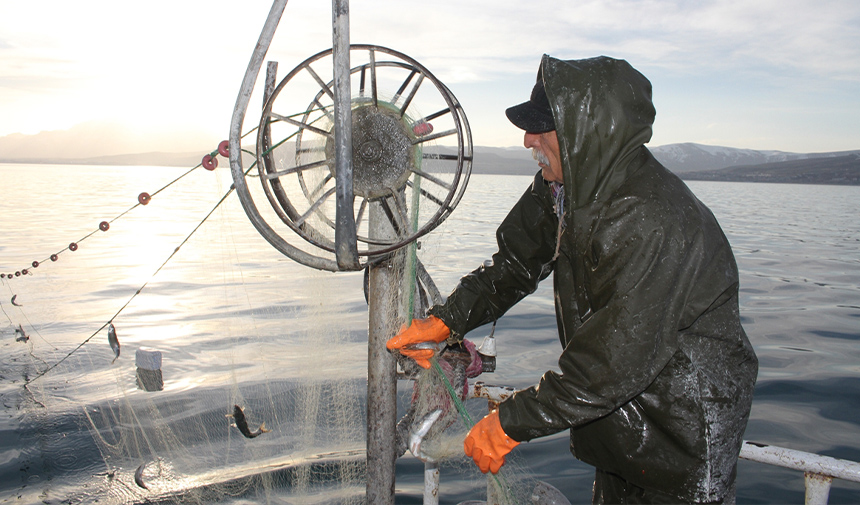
pixel 656 376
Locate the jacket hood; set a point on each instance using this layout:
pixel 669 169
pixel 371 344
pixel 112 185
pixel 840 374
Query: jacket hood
pixel 603 116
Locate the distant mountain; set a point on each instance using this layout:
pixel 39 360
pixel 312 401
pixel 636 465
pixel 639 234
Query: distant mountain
pixel 842 170
pixel 503 160
pixel 689 157
pixel 714 163
pixel 96 139
pixel 690 161
pixel 155 159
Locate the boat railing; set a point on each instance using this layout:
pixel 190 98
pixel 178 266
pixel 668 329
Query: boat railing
pixel 819 471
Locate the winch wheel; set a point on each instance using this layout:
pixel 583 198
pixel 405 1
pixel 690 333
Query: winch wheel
pixel 411 151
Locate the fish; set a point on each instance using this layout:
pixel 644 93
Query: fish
pixel 454 362
pixel 433 346
pixel 138 476
pixel 13 301
pixel 23 336
pixel 241 422
pixel 114 342
pixel 419 430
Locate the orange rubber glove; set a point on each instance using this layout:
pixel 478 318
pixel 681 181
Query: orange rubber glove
pixel 431 329
pixel 487 443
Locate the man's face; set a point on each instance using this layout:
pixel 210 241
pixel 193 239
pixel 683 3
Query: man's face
pixel 545 149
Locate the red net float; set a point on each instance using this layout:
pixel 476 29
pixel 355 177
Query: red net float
pixel 17 274
pixel 104 226
pixel 35 264
pixel 224 149
pixel 2 276
pixel 422 128
pixel 25 272
pixel 144 198
pixel 73 247
pixel 54 257
pixel 209 162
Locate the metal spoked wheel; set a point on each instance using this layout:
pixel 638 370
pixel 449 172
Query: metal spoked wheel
pixel 411 150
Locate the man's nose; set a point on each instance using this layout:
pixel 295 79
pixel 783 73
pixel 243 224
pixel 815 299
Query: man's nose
pixel 531 140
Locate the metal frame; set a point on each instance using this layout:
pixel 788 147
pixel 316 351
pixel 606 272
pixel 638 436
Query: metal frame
pixel 236 122
pixel 455 188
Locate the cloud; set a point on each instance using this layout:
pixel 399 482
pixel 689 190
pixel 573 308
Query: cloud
pixel 167 61
pixel 802 35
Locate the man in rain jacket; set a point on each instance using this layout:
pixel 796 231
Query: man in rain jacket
pixel 656 374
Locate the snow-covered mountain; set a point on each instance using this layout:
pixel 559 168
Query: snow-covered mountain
pixel 689 157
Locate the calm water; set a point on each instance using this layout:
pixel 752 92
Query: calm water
pixel 239 323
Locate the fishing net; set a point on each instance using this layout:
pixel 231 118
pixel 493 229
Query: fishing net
pixel 234 323
pixel 236 375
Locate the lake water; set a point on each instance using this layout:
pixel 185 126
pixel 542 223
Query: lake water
pixel 239 323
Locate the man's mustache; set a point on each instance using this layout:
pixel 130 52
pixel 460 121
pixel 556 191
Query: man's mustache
pixel 539 156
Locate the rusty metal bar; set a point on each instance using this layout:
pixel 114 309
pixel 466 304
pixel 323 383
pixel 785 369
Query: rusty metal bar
pixel 496 394
pixel 431 483
pixel 817 488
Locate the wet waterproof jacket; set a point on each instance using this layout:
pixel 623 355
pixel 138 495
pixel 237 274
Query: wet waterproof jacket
pixel 656 374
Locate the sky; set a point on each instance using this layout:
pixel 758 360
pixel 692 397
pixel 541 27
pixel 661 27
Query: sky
pixel 758 74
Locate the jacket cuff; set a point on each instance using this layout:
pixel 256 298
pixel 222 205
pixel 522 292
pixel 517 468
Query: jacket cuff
pixel 509 417
pixel 442 313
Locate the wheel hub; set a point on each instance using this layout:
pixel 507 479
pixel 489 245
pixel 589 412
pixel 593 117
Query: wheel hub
pixel 383 155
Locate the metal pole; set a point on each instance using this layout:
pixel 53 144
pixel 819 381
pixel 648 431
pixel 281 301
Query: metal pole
pixel 383 292
pixel 431 483
pixel 817 489
pixel 271 80
pixel 346 247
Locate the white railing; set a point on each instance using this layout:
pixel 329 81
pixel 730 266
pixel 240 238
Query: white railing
pixel 819 471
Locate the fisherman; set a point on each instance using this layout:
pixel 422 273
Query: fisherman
pixel 656 373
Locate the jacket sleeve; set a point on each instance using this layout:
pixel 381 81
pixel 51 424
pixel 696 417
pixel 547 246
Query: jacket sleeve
pixel 526 240
pixel 638 271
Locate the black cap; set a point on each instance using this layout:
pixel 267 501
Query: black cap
pixel 534 116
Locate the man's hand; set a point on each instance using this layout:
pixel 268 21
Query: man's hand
pixel 420 332
pixel 487 443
